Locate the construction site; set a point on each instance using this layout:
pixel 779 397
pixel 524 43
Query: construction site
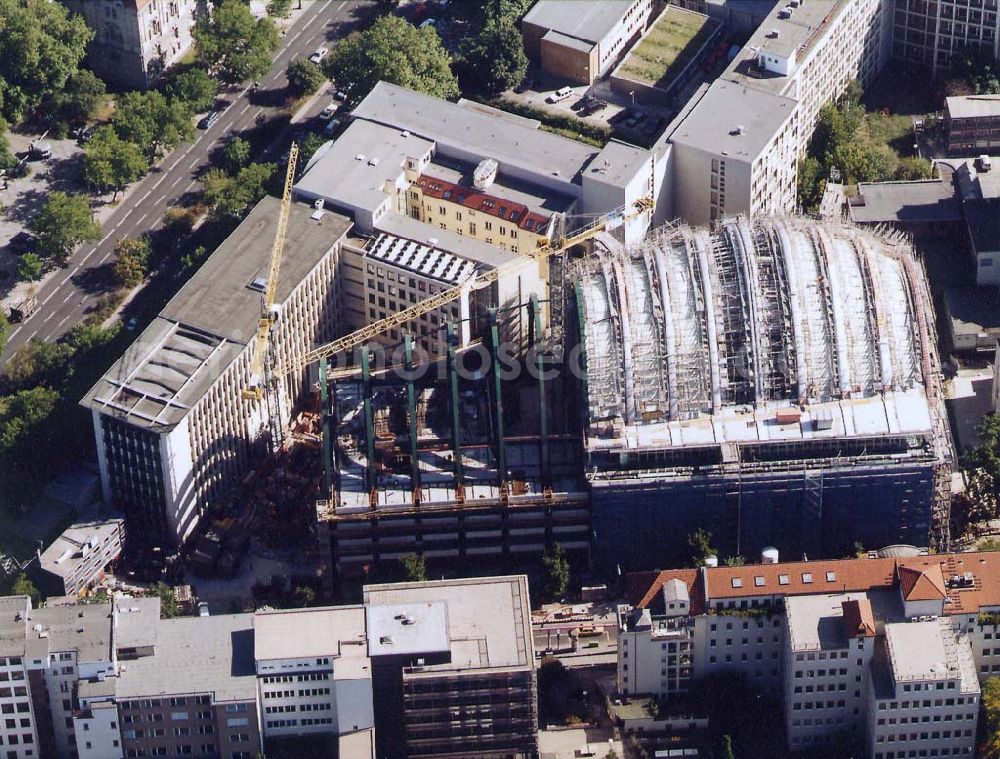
pixel 773 382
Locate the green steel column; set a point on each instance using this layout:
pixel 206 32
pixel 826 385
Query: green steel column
pixel 324 405
pixel 543 410
pixel 456 436
pixel 411 402
pixel 498 399
pixel 366 389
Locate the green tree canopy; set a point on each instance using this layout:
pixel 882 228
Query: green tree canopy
pixel 414 568
pixel 7 158
pixel 26 429
pixel 304 77
pixel 153 121
pixel 111 163
pixel 63 222
pixel 555 581
pixel 193 86
pixel 132 264
pixel 700 543
pixel 234 44
pixel 237 155
pixel 81 96
pixel 21 585
pixel 231 197
pixel 303 596
pixel 395 51
pixel 39 362
pixel 169 607
pixel 279 8
pixel 41 46
pixel 4 330
pixel 30 267
pixel 494 60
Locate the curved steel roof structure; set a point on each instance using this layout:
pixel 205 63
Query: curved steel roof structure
pixel 774 312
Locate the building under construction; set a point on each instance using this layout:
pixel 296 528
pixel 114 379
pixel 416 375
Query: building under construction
pixel 774 383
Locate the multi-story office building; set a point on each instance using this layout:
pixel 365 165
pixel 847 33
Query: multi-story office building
pixel 453 668
pixel 885 649
pixel 135 41
pixel 172 428
pixel 930 33
pixel 582 40
pixel 78 558
pixel 973 124
pixel 757 118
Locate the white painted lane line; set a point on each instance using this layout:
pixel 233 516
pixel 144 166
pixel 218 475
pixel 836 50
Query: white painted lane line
pixel 144 197
pixel 188 188
pixel 68 296
pixel 103 240
pixel 14 332
pixel 32 336
pixel 62 321
pixel 176 181
pixel 194 163
pixel 47 318
pixel 244 109
pixel 259 112
pixel 50 296
pixel 159 181
pixel 140 219
pixel 106 257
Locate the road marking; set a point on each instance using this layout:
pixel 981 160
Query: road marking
pixel 47 318
pixel 140 219
pixel 188 188
pixel 106 257
pixel 245 109
pixel 144 197
pixel 50 296
pixel 121 222
pixel 194 163
pixel 32 336
pixel 159 181
pixel 61 321
pixel 104 240
pixel 259 112
pixel 174 184
pixel 14 332
pixel 68 296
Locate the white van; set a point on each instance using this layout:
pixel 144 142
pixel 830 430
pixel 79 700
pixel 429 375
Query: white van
pixel 559 95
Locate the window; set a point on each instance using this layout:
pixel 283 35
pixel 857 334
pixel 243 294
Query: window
pixel 807 577
pixel 737 582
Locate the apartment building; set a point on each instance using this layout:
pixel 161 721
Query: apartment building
pixel 973 124
pixel 78 558
pixel 582 40
pixel 135 41
pixel 930 33
pixel 757 117
pixel 173 431
pixel 453 668
pixel 853 646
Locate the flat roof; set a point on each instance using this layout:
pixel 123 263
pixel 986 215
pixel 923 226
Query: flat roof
pixel 488 619
pixel 84 628
pixel 973 310
pixel 306 633
pixel 13 610
pixel 420 258
pixel 477 251
pixel 407 628
pixel 972 106
pixel 72 547
pixel 816 623
pixel 588 20
pixel 927 200
pixel 467 131
pixel 734 120
pixel 196 655
pixel 137 622
pixel 917 651
pixel 209 322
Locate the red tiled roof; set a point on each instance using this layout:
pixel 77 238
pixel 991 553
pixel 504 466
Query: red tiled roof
pixel 922 584
pixel 837 575
pixel 470 197
pixel 858 618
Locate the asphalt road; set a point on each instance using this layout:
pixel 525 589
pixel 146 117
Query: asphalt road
pixel 65 299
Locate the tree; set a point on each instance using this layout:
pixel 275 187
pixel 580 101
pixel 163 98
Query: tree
pixel 860 162
pixel 309 146
pixel 990 701
pixel 111 163
pixel 494 60
pixel 169 607
pixel 811 184
pixel 394 51
pixel 23 586
pixel 699 542
pixel 30 267
pixel 279 8
pixel 153 121
pixel 304 77
pixel 132 265
pixel 27 434
pixel 4 330
pixel 179 221
pixel 41 46
pixel 7 159
pixel 914 167
pixel 234 44
pixel 727 747
pixel 74 103
pixel 555 582
pixel 231 197
pixel 237 155
pixel 63 222
pixel 303 596
pixel 194 87
pixel 735 561
pixel 37 363
pixel 414 568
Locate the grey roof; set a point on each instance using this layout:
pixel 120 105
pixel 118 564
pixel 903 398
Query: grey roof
pixel 972 106
pixel 713 124
pixel 973 310
pixel 13 610
pixel 196 655
pixel 983 218
pixel 929 200
pixel 84 628
pixel 472 131
pixel 72 547
pixel 574 43
pixel 353 171
pixel 306 633
pixel 487 619
pixel 208 323
pixel 407 628
pixel 137 623
pixel 588 20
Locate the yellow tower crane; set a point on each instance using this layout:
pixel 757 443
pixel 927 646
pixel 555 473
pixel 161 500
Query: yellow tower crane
pixel 546 248
pixel 268 311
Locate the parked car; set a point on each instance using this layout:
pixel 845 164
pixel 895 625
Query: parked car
pixel 22 242
pixel 332 126
pixel 87 134
pixel 427 22
pixel 329 111
pixel 40 150
pixel 318 56
pixel 559 95
pixel 208 119
pixel 340 95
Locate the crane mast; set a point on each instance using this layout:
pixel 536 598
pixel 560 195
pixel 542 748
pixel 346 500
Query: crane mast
pixel 268 313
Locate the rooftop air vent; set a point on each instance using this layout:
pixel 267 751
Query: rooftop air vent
pixel 738 130
pixel 774 34
pixel 359 157
pixel 373 161
pixel 385 640
pixel 405 133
